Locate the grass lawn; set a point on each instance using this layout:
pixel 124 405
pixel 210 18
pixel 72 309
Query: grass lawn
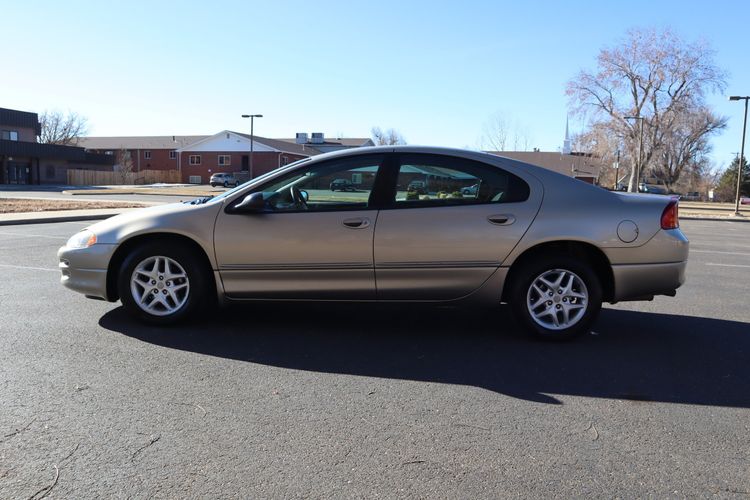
pixel 17 205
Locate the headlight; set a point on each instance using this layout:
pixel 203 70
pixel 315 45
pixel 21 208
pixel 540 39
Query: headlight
pixel 82 239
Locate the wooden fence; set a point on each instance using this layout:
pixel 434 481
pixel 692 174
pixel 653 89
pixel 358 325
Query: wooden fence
pixel 106 178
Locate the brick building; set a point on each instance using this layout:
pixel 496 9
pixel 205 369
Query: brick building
pixel 23 160
pixel 197 157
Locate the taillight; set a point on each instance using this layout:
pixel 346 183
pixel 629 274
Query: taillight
pixel 670 218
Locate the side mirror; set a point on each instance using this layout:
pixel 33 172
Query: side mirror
pixel 304 194
pixel 252 203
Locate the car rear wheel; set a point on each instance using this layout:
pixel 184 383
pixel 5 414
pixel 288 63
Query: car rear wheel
pixel 162 283
pixel 226 184
pixel 557 299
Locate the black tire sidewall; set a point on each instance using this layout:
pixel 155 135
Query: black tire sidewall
pixel 530 271
pixel 189 262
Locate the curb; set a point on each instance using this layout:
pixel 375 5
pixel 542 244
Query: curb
pixel 716 219
pixel 52 220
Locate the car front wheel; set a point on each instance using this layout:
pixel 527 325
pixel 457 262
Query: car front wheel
pixel 161 283
pixel 556 300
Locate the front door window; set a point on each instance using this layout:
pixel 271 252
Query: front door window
pixel 335 186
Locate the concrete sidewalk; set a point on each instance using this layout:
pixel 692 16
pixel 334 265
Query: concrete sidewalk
pixel 51 216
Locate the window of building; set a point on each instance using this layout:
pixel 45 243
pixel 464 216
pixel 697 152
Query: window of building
pixel 147 155
pixel 9 135
pixel 225 160
pixel 172 155
pixel 195 159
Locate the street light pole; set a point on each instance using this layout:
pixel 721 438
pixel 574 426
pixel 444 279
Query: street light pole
pixel 252 141
pixel 640 149
pixel 742 153
pixel 617 170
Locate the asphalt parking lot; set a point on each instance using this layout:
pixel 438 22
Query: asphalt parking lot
pixel 365 400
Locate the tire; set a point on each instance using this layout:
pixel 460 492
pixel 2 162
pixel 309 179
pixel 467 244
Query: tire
pixel 226 184
pixel 580 285
pixel 185 301
pixel 213 185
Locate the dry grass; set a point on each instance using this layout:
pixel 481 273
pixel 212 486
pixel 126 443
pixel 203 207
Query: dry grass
pixel 17 205
pixel 191 191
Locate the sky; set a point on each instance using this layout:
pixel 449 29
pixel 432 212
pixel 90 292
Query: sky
pixel 435 71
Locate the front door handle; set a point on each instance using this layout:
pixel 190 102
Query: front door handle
pixel 356 223
pixel 501 219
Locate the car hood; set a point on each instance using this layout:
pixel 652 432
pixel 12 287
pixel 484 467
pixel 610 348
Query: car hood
pixel 195 221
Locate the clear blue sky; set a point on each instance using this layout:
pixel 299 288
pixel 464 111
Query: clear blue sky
pixel 435 71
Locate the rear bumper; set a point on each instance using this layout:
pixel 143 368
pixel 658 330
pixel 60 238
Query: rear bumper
pixel 635 281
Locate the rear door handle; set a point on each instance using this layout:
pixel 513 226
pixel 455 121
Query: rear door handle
pixel 356 222
pixel 501 219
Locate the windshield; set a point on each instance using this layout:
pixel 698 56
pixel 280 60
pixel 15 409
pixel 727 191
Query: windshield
pixel 236 189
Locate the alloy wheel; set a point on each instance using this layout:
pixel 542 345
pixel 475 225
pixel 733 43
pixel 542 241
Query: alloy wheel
pixel 159 285
pixel 557 299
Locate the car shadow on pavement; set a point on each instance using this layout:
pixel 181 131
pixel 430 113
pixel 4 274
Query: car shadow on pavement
pixel 633 355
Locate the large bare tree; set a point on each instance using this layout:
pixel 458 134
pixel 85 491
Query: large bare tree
pixel 62 128
pixel 685 144
pixel 653 75
pixel 388 137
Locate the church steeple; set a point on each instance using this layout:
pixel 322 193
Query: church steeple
pixel 566 149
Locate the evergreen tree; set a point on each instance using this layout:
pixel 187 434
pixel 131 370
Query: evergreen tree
pixel 727 188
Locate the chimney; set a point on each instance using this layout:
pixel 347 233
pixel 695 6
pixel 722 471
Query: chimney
pixel 301 138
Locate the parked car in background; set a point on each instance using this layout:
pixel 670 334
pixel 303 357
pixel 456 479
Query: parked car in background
pixel 223 179
pixel 550 246
pixel 418 186
pixel 651 189
pixel 471 190
pixel 691 196
pixel 342 185
pixel 744 200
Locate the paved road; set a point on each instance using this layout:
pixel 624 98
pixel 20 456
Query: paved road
pixel 364 401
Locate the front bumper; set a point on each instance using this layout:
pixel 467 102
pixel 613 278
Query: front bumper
pixel 84 270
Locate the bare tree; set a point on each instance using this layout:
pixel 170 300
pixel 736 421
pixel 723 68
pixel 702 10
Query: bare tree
pixel 387 138
pixel 685 144
pixel 495 133
pixel 653 75
pixel 62 129
pixel 500 132
pixel 599 143
pixel 124 164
